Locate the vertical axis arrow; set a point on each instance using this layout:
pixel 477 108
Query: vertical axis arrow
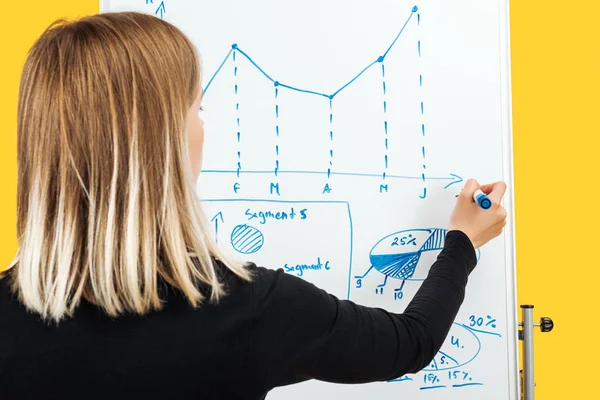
pixel 161 9
pixel 215 219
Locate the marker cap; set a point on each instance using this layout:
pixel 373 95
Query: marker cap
pixel 481 199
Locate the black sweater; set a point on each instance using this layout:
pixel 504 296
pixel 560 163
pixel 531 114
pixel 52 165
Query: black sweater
pixel 273 331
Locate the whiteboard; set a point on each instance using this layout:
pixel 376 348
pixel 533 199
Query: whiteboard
pixel 338 134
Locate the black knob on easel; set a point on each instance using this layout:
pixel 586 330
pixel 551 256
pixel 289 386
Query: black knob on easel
pixel 546 324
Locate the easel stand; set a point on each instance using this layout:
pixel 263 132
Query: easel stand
pixel 526 335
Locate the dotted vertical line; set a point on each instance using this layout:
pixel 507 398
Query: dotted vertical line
pixel 237 114
pixel 385 120
pixel 276 127
pixel 422 109
pixel 330 137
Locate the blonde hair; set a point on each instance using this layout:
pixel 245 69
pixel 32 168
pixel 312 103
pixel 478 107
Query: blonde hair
pixel 106 199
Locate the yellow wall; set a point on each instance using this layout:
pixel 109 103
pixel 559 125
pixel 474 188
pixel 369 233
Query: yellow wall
pixel 556 108
pixel 23 22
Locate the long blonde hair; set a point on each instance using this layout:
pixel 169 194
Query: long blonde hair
pixel 106 200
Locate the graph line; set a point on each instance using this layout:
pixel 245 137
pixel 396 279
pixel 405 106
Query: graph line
pixel 422 114
pixel 379 59
pixel 453 177
pixel 218 69
pixel 237 113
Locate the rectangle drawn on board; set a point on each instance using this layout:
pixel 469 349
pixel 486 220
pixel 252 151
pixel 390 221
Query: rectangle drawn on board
pixel 302 238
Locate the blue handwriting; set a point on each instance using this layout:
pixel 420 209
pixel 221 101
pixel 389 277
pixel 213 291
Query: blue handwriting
pixel 264 216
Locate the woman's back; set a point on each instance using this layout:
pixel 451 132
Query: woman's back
pixel 177 352
pixel 273 331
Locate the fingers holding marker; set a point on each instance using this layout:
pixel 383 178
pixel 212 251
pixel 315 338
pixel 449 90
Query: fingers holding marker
pixel 495 191
pixel 491 194
pixel 480 220
pixel 470 187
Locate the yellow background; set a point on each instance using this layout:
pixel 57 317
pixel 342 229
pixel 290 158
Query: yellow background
pixel 556 108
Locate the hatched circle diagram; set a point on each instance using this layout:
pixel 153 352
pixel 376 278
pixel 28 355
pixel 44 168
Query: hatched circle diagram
pixel 246 239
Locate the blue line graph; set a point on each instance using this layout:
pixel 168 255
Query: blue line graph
pixel 387 166
pixel 380 59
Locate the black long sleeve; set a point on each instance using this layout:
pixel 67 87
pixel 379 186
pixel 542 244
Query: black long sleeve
pixel 273 331
pixel 312 334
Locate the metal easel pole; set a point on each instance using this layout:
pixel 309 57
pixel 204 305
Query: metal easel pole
pixel 526 335
pixel 527 338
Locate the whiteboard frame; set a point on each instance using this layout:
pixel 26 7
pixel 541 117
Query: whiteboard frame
pixel 512 323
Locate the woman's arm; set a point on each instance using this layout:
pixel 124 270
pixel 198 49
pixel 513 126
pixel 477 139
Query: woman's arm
pixel 302 332
pixel 306 333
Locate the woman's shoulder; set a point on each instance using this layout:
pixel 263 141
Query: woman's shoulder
pixel 5 281
pixel 275 288
pixel 257 275
pixel 264 283
pixel 7 294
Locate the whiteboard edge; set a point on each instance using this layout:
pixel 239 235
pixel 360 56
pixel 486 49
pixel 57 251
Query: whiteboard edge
pixel 104 5
pixel 510 235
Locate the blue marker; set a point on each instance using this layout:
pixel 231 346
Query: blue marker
pixel 481 199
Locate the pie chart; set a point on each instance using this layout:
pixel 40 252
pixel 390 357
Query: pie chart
pixel 460 348
pixel 398 254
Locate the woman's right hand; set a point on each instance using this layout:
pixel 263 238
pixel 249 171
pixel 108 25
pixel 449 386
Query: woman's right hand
pixel 478 224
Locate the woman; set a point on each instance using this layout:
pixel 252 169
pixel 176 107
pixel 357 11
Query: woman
pixel 118 289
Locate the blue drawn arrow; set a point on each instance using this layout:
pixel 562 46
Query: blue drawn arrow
pixel 161 9
pixel 453 177
pixel 215 219
pixel 457 179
